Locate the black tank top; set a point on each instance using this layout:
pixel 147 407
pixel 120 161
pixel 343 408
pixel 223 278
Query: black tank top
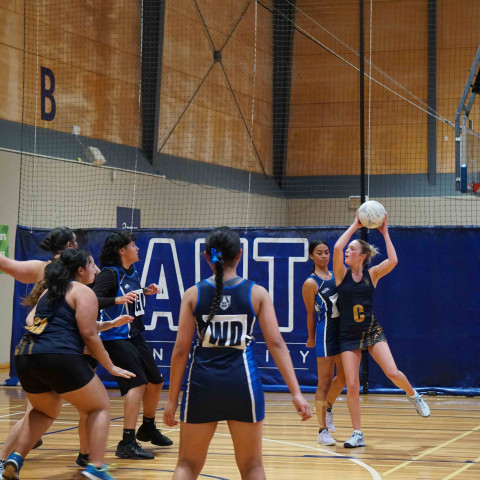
pixel 355 301
pixel 54 330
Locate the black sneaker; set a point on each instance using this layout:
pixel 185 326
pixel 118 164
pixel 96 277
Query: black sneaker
pixel 151 434
pixel 82 460
pixel 38 444
pixel 133 450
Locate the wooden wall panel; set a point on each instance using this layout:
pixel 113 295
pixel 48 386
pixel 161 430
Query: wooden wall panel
pixel 11 33
pixel 325 89
pixel 11 61
pixel 111 23
pixel 223 95
pixel 92 49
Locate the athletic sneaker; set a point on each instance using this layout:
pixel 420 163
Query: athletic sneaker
pixel 82 460
pixel 12 466
pixel 93 472
pixel 324 438
pixel 150 433
pixel 2 465
pixel 356 440
pixel 329 419
pixel 133 450
pixel 422 408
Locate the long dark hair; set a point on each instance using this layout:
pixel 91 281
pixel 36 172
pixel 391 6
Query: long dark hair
pixel 313 245
pixel 110 256
pixel 225 244
pixel 59 273
pixel 57 240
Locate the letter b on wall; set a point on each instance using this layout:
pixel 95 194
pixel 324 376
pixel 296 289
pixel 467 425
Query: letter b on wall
pixel 47 93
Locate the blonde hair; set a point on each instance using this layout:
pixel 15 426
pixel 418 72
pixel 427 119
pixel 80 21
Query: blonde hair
pixel 369 250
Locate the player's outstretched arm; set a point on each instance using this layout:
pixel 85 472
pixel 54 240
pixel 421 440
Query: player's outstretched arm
pixel 263 306
pixel 28 271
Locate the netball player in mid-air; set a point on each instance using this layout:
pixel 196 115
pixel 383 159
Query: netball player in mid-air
pixel 318 292
pixel 359 329
pixel 224 380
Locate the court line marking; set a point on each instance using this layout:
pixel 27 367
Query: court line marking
pixel 431 450
pixel 375 475
pixel 460 470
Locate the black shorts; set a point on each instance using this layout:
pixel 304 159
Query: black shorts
pixel 92 361
pixel 53 372
pixel 134 355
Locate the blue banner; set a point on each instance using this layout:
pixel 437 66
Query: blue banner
pixel 427 305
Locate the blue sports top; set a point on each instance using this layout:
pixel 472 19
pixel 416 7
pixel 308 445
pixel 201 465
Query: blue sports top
pixel 232 326
pixel 323 299
pixel 126 283
pixel 54 330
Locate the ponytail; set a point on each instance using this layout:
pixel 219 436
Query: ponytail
pixel 369 250
pixel 217 259
pixel 223 245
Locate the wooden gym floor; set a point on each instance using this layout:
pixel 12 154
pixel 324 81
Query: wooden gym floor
pixel 400 444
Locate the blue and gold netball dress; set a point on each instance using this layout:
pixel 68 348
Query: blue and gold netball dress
pixel 359 328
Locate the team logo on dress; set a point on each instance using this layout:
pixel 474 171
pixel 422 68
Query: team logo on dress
pixel 127 285
pixel 226 302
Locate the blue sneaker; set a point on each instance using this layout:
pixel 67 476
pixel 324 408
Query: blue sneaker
pixel 93 472
pixel 12 466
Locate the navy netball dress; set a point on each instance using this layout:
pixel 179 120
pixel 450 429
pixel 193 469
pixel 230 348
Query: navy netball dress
pixel 359 328
pixel 224 379
pixel 327 341
pixel 55 330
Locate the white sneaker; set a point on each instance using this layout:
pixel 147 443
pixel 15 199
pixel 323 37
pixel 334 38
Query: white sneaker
pixel 2 466
pixel 329 421
pixel 356 440
pixel 422 408
pixel 324 438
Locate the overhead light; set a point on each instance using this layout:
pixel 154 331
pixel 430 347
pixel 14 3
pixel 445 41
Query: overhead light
pixel 94 155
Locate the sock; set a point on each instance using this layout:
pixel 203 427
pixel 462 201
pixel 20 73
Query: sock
pixel 358 431
pixel 150 422
pixel 16 458
pixel 84 456
pixel 129 435
pixel 329 409
pixel 320 430
pixel 415 395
